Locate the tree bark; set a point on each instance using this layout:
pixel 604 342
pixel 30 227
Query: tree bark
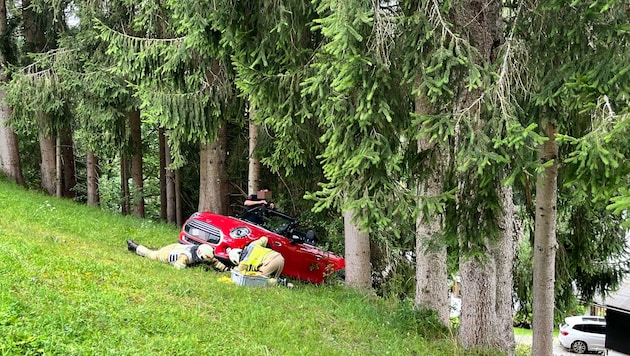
pixel 10 162
pixel 357 254
pixel 478 296
pixel 47 168
pixel 58 168
pixel 34 39
pixel 545 246
pixel 135 126
pixel 503 254
pixel 92 179
pixel 482 320
pixel 124 184
pixel 487 289
pixel 253 176
pixel 68 164
pixel 162 168
pixel 431 269
pixel 178 200
pixel 171 191
pixel 35 42
pixel 213 181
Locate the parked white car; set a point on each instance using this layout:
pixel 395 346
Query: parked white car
pixel 582 334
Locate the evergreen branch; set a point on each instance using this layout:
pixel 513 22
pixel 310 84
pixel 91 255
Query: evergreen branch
pixel 90 74
pixel 469 108
pixel 197 94
pixel 37 74
pixel 49 57
pixel 486 5
pixel 604 118
pixel 383 31
pixel 435 15
pixel 607 106
pixel 502 84
pixel 145 40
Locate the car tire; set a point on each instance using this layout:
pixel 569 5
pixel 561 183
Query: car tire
pixel 579 347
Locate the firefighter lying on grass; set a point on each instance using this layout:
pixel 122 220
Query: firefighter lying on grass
pixel 179 255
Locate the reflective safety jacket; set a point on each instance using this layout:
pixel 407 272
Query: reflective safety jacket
pixel 255 254
pixel 186 254
pixel 179 255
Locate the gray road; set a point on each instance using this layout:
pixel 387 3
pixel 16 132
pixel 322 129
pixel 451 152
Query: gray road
pixel 558 350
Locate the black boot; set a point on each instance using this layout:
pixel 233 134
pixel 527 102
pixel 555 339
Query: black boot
pixel 131 246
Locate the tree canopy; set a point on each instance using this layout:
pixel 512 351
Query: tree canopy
pixel 344 92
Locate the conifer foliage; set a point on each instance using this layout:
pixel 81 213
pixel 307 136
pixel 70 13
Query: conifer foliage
pixel 396 115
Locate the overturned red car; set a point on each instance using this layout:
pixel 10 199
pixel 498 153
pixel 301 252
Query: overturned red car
pixel 303 260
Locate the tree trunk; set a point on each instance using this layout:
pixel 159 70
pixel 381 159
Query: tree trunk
pixel 34 39
pixel 545 246
pixel 357 247
pixel 47 168
pixel 35 42
pixel 135 127
pixel 482 321
pixel 486 316
pixel 431 269
pixel 171 196
pixel 479 284
pixel 162 149
pixel 503 255
pixel 178 200
pixel 58 168
pixel 68 164
pixel 253 176
pixel 213 181
pixel 10 162
pixel 124 184
pixel 92 179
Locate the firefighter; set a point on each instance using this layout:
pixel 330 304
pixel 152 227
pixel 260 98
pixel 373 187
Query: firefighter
pixel 256 257
pixel 179 255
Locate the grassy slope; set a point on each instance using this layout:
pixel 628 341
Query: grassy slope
pixel 69 286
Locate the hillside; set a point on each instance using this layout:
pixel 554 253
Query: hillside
pixel 70 287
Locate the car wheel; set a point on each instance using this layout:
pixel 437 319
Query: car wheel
pixel 579 347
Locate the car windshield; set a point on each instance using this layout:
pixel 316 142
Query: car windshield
pixel 277 223
pixel 273 220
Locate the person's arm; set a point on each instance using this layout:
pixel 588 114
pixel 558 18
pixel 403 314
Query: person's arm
pixel 242 267
pixel 182 261
pixel 250 202
pixel 261 241
pixel 218 265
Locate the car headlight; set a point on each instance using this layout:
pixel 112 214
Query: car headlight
pixel 240 232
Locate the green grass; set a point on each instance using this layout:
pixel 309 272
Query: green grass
pixel 522 331
pixel 70 287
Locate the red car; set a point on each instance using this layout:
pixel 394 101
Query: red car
pixel 303 260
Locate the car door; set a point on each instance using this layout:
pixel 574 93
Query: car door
pixel 302 261
pixel 597 335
